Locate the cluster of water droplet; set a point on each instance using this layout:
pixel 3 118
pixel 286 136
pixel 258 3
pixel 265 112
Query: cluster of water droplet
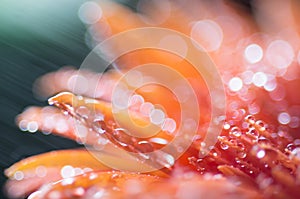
pixel 98 130
pixel 255 149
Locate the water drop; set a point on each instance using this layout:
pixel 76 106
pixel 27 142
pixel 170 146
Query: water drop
pixel 224 146
pixel 192 160
pixel 241 146
pixel 226 126
pixel 264 141
pixel 252 131
pixel 261 125
pixel 260 154
pixel 215 154
pixel 122 137
pixel 233 141
pixel 250 119
pixel 290 147
pixel 98 126
pixel 165 159
pixel 266 165
pixel 295 153
pixel 83 111
pixel 158 140
pixel 235 131
pixel 241 154
pixel 144 147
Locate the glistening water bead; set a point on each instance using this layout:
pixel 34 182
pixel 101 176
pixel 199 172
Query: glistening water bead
pixel 251 150
pixel 105 130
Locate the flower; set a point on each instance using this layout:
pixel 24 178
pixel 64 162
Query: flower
pixel 123 157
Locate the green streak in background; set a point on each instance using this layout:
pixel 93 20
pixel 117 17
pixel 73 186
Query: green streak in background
pixel 36 37
pixel 44 18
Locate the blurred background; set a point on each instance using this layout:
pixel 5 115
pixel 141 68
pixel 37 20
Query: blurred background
pixel 36 37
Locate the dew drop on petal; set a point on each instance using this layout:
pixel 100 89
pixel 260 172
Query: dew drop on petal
pixel 224 146
pixel 158 140
pixel 165 159
pixel 250 119
pixel 260 154
pixel 261 125
pixel 226 126
pixel 144 147
pixel 235 131
pixel 67 181
pixel 242 154
pixel 93 176
pixel 252 131
pixel 296 153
